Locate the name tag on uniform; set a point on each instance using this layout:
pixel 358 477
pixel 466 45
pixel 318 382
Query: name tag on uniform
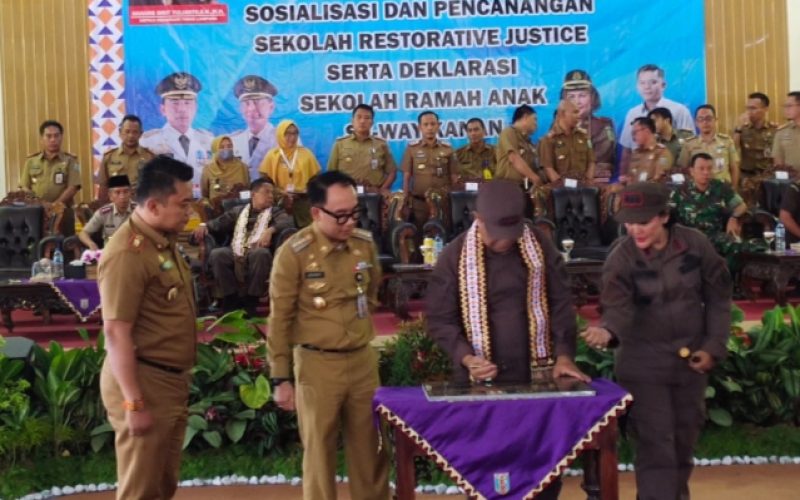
pixel 374 164
pixel 360 189
pixel 315 274
pixel 59 178
pixel 471 186
pixel 244 195
pixel 782 175
pixel 570 183
pixel 678 178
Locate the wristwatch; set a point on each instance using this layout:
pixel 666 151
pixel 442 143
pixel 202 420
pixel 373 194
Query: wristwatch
pixel 275 382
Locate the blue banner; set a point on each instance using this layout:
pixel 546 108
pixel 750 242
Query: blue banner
pixel 460 58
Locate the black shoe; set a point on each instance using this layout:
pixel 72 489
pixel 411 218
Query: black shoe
pixel 231 302
pixel 250 304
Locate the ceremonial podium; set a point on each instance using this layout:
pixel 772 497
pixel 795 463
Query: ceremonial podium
pixel 506 447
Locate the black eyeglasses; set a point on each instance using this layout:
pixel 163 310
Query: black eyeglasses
pixel 342 219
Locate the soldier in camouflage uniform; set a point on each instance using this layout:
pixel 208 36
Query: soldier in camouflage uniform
pixel 713 207
pixel 753 136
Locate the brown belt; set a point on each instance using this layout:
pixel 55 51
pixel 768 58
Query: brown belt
pixel 168 369
pixel 331 351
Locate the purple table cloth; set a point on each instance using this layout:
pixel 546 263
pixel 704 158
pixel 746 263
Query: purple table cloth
pixel 502 449
pixel 82 296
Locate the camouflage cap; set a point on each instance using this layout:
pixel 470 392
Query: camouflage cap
pixel 641 201
pixel 179 85
pixel 577 79
pixel 251 87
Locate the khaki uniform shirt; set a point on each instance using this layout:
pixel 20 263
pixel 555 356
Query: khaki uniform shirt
pixel 116 162
pixel 675 143
pixel 369 162
pixel 471 163
pixel 649 164
pixel 313 294
pixel 568 154
pixel 756 145
pixel 109 219
pixel 786 145
pixel 721 148
pixel 429 166
pixel 512 139
pixel 144 280
pixel 49 178
pixel 218 181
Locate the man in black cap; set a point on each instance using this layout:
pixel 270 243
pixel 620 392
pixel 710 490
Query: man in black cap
pixel 501 325
pixel 256 104
pixel 111 216
pixel 667 305
pixel 177 138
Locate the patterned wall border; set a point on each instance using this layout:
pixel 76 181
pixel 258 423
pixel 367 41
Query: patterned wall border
pixel 106 74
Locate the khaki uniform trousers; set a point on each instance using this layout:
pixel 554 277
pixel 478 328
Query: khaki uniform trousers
pixel 148 467
pixel 665 421
pixel 333 391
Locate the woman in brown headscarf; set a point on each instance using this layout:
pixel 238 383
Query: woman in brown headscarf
pixel 223 172
pixel 290 166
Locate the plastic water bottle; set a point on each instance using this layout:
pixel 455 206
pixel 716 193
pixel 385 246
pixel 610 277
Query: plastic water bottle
pixel 58 264
pixel 780 237
pixel 438 244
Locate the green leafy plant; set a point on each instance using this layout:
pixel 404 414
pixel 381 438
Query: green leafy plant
pixel 759 381
pixel 412 357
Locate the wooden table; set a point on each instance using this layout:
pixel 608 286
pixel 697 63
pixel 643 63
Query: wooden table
pixel 775 267
pixel 585 275
pixel 39 297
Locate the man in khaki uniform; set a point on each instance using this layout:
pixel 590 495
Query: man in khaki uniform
pixel 566 151
pixel 52 174
pixel 720 146
pixel 650 161
pixel 670 137
pixel 324 285
pixel 476 159
pixel 427 163
pixel 149 315
pixel 126 159
pixel 786 145
pixel 516 154
pixel 363 156
pixel 110 217
pixel 753 136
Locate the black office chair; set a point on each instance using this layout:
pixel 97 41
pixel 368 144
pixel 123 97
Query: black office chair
pixel 462 207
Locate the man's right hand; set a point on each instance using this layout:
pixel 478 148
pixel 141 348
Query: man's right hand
pixel 480 369
pixel 284 396
pixel 200 233
pixel 139 422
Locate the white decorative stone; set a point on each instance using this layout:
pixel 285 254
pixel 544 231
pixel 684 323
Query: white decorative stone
pixel 703 462
pixel 102 487
pixel 622 467
pixel 280 479
pixel 296 481
pixel 243 480
pixel 252 481
pixel 80 488
pixel 338 478
pixel 216 481
pixel 440 489
pixel 418 489
pixel 796 460
pixel 452 490
pixel 68 490
pixel 55 491
pixel 263 479
pixel 197 481
pixel 226 481
pixel 727 460
pixel 714 462
pixel 773 459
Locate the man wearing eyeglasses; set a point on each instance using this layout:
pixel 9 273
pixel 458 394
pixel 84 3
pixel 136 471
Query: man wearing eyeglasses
pixel 720 146
pixel 323 287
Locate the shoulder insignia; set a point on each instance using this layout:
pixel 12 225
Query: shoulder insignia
pixel 343 138
pixel 415 143
pixel 109 152
pixel 723 136
pixel 378 138
pixel 301 242
pixel 445 144
pixel 105 209
pixel 32 155
pixel 362 233
pixel 136 242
